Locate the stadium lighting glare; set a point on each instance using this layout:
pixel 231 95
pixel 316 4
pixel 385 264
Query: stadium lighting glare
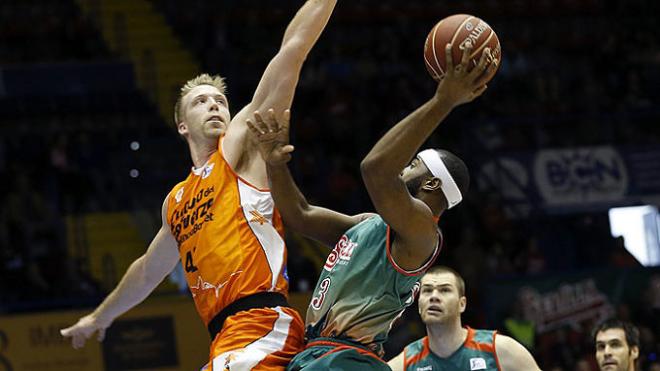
pixel 639 227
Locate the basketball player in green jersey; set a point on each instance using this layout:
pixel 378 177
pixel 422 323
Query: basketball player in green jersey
pixel 617 345
pixel 449 346
pixel 371 275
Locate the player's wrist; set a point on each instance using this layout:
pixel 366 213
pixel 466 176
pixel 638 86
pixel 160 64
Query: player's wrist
pixel 100 320
pixel 444 101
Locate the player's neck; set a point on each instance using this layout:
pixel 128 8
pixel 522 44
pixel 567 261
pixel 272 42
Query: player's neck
pixel 446 338
pixel 201 152
pixel 432 202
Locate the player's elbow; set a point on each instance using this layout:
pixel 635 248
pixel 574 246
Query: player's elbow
pixel 367 166
pixel 293 214
pixel 295 222
pixel 150 271
pixel 372 169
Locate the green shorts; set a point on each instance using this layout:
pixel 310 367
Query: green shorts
pixel 336 356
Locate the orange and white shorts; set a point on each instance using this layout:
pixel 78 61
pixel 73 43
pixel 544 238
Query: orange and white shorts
pixel 257 339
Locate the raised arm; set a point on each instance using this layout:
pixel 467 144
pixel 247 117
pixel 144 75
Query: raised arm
pixel 513 356
pixel 408 216
pixel 141 278
pixel 278 82
pixel 321 224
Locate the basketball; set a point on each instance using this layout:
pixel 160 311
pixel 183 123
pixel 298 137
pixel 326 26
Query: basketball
pixel 459 30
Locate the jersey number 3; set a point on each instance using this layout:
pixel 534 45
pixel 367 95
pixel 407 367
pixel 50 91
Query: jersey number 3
pixel 317 300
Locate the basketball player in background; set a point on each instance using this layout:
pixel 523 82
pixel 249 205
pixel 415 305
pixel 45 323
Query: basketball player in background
pixel 450 346
pixel 221 222
pixel 371 275
pixel 617 345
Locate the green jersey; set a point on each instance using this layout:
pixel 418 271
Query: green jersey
pixel 361 290
pixel 476 353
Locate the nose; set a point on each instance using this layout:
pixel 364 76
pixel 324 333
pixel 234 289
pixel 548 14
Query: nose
pixel 214 105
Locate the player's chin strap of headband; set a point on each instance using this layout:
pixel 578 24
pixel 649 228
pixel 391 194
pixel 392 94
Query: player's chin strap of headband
pixel 434 163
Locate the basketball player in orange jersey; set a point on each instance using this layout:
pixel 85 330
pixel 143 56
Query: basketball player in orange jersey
pixel 221 222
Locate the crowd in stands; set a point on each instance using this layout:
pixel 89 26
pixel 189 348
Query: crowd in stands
pixel 574 73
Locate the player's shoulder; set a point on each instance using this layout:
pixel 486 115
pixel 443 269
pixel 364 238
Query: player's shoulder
pixel 415 348
pixel 509 348
pixel 504 342
pixel 512 355
pixel 367 222
pixel 484 336
pixel 177 187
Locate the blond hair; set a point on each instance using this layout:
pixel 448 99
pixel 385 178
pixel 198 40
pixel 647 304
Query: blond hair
pixel 204 79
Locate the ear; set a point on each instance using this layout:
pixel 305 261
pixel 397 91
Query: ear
pixel 634 353
pixel 432 184
pixel 462 304
pixel 182 128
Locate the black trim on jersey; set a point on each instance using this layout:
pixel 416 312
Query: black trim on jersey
pixel 258 300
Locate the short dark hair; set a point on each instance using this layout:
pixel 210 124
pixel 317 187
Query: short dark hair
pixel 460 282
pixel 457 169
pixel 631 331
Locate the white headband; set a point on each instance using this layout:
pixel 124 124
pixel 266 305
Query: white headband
pixel 434 163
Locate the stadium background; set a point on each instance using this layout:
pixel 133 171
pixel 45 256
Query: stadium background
pixel 568 129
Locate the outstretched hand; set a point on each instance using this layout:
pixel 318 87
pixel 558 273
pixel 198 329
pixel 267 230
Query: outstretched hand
pixel 272 136
pixel 459 85
pixel 83 330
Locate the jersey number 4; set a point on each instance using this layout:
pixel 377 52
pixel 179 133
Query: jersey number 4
pixel 190 266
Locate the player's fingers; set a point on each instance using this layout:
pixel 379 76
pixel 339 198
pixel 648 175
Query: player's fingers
pixel 449 58
pixel 101 335
pixel 465 58
pixel 288 148
pixel 66 332
pixel 78 341
pixel 258 118
pixel 252 128
pixel 286 119
pixel 485 76
pixel 271 122
pixel 259 123
pixel 483 63
pixel 479 91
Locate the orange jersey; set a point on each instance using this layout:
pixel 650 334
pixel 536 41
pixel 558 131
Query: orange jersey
pixel 229 235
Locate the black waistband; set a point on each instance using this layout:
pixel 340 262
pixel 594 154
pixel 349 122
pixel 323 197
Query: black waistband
pixel 258 300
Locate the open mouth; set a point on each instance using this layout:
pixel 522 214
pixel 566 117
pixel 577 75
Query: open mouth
pixel 214 119
pixel 434 310
pixel 609 363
